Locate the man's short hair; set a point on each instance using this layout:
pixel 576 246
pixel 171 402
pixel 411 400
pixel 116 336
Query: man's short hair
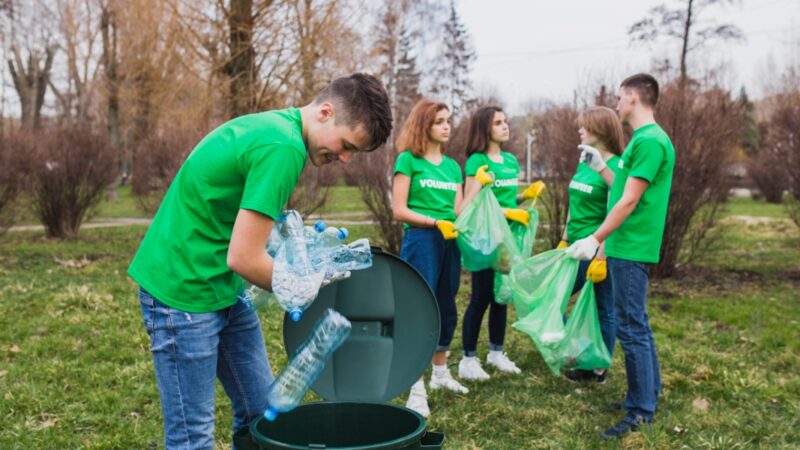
pixel 645 85
pixel 360 99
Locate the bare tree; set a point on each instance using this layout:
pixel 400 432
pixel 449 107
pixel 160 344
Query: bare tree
pixel 457 58
pixel 78 29
pixel 683 23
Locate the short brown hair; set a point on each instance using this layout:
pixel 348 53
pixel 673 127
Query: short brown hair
pixel 360 99
pixel 605 125
pixel 480 129
pixel 415 135
pixel 645 85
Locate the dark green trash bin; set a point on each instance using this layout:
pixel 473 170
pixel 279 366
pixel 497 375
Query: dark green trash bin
pixel 395 329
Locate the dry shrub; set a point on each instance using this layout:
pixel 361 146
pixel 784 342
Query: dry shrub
pixel 766 170
pixel 156 162
pixel 372 173
pixel 70 170
pixel 705 126
pixel 15 148
pixel 557 154
pixel 312 188
pixel 783 138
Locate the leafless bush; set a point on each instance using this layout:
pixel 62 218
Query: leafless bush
pixel 783 137
pixel 71 168
pixel 156 162
pixel 312 189
pixel 557 157
pixel 373 171
pixel 768 173
pixel 15 148
pixel 705 126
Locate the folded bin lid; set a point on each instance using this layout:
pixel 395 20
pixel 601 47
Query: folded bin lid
pixel 395 329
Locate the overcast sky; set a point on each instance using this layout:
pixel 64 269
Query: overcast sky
pixel 534 49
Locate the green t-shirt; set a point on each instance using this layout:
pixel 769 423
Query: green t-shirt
pixel 588 200
pixel 433 187
pixel 651 157
pixel 506 176
pixel 252 162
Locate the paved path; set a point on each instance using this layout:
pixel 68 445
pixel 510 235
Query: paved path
pixel 128 221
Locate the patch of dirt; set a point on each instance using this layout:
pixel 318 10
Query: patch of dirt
pixel 703 278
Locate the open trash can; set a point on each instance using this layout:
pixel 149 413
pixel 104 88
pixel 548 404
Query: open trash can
pixel 395 328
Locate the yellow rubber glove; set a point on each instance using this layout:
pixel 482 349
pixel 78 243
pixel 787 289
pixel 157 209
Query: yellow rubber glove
pixel 562 244
pixel 534 190
pixel 483 177
pixel 518 215
pixel 597 271
pixel 447 228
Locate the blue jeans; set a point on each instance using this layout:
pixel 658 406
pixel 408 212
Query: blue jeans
pixel 482 297
pixel 439 262
pixel 604 296
pixel 191 350
pixel 635 336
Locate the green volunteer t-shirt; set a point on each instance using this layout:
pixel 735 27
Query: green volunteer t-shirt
pixel 588 200
pixel 506 176
pixel 252 162
pixel 433 187
pixel 651 157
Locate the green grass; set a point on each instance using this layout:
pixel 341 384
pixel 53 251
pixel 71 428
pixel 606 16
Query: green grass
pixel 746 206
pixel 76 372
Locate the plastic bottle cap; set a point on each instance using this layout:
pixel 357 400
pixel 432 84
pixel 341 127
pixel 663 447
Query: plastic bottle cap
pixel 282 217
pixel 296 315
pixel 270 414
pixel 319 226
pixel 343 233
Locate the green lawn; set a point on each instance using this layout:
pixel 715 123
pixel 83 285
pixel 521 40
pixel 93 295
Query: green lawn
pixel 75 370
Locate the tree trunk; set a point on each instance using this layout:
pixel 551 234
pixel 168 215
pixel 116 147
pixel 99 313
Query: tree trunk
pixel 240 67
pixel 31 85
pixel 108 26
pixel 685 46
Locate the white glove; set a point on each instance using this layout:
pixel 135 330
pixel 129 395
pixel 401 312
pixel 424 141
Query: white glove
pixel 335 276
pixel 584 249
pixel 592 157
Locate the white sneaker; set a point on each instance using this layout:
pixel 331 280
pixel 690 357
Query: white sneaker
pixel 500 361
pixel 418 401
pixel 470 369
pixel 446 381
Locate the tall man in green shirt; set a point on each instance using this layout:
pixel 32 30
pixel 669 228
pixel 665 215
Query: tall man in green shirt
pixel 633 231
pixel 210 234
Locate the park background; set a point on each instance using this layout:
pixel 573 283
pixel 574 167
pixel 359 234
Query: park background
pixel 102 100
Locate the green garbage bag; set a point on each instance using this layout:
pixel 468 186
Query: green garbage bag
pixel 524 237
pixel 484 237
pixel 583 346
pixel 541 276
pixel 546 300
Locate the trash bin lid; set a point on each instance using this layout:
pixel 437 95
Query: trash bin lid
pixel 395 321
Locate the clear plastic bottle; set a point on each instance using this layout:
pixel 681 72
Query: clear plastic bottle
pixel 295 281
pixel 328 240
pixel 355 256
pixel 303 370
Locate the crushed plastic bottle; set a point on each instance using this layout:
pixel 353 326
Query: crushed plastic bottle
pixel 291 385
pixel 295 281
pixel 355 256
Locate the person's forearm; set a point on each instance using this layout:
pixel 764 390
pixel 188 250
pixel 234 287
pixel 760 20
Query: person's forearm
pixel 618 214
pixel 608 176
pixel 256 268
pixel 414 218
pixel 469 195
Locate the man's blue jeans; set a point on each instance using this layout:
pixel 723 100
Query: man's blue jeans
pixel 604 296
pixel 191 350
pixel 630 280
